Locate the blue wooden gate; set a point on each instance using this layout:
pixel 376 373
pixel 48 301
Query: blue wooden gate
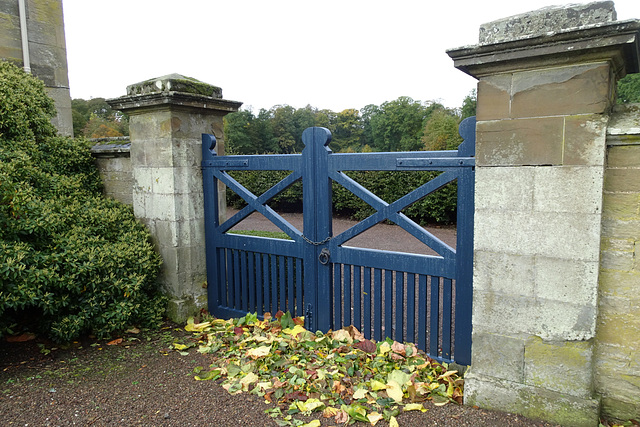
pixel 425 299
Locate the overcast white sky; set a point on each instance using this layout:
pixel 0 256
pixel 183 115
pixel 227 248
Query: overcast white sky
pixel 333 54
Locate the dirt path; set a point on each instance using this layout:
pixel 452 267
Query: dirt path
pixel 381 236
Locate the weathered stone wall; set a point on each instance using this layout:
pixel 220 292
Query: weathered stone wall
pixel 47 48
pixel 617 348
pixel 545 92
pixel 114 163
pixel 166 128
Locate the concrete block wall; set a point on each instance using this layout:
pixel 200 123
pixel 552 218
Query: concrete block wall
pixel 617 350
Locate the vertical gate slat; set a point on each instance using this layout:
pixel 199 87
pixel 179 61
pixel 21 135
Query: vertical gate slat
pixel 357 297
pixel 367 302
pixel 244 296
pixel 399 303
pixel 222 278
pixel 411 307
pixel 300 302
pixel 337 296
pixel 422 312
pixel 446 318
pixel 282 284
pixel 377 304
pixel 290 286
pixel 259 285
pixel 266 291
pixel 274 285
pixel 346 289
pixel 236 280
pixel 388 303
pixel 251 273
pixel 434 310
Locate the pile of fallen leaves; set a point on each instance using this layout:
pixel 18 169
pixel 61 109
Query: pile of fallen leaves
pixel 340 374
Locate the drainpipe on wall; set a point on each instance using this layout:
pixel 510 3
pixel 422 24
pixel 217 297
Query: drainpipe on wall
pixel 26 59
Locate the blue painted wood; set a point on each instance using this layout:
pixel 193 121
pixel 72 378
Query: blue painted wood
pixel 265 284
pixel 377 304
pixel 210 199
pixel 282 289
pixel 434 318
pixel 411 307
pixel 259 285
pixel 388 303
pixel 422 312
pixel 346 295
pixel 274 285
pixel 291 286
pixel 464 259
pixel 317 217
pixel 367 302
pixel 399 304
pixel 357 297
pixel 447 305
pixel 346 285
pixel 251 282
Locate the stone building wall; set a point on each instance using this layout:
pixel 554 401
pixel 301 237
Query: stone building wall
pixel 47 50
pixel 114 163
pixel 617 349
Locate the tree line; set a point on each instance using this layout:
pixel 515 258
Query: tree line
pixel 403 124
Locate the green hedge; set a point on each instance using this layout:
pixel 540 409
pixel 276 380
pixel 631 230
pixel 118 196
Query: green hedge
pixel 71 261
pixel 438 207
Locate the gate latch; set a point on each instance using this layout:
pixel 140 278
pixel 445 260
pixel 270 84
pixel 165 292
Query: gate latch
pixel 324 256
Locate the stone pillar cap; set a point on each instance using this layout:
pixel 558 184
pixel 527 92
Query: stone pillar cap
pixel 174 83
pixel 546 21
pixel 173 90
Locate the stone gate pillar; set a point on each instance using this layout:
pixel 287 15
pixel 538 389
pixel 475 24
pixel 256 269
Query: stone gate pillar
pixel 167 117
pixel 546 86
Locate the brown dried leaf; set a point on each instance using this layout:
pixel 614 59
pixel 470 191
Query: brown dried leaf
pixel 366 345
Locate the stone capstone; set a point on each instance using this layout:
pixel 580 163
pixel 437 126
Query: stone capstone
pixel 548 20
pixel 174 83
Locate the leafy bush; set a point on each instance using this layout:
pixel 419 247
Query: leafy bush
pixel 71 261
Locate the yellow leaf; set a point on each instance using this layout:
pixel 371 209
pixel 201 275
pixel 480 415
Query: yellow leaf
pixel 393 422
pixel 248 379
pixel 294 331
pixel 314 423
pixel 384 348
pixel 259 352
pixel 377 385
pixel 179 346
pixel 360 393
pixel 195 327
pixel 374 417
pixel 309 405
pixel 394 390
pixel 342 335
pixel 415 407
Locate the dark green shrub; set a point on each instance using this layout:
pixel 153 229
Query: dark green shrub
pixel 71 261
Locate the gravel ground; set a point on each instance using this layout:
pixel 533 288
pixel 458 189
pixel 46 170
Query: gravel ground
pixel 141 382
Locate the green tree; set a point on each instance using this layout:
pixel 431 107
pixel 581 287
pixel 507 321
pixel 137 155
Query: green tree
pixel 469 105
pixel 441 131
pixel 629 89
pixel 96 113
pixel 347 131
pixel 398 125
